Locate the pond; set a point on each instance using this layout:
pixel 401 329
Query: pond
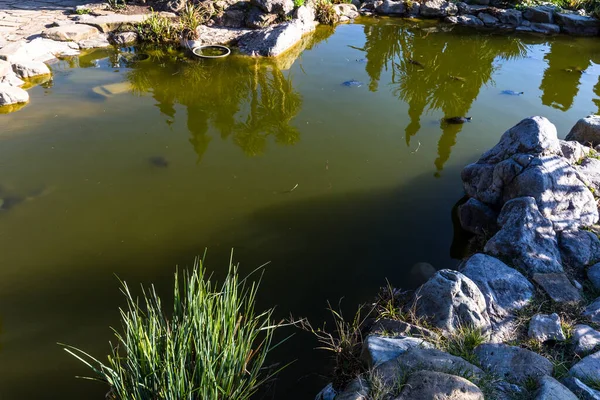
pixel 128 164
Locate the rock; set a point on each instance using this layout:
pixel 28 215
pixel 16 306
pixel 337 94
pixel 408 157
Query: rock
pixel 29 69
pixel 100 41
pixel 438 9
pixel 541 14
pixel 586 131
pixel 508 391
pixel 463 8
pixel 280 7
pixel 39 49
pixel 579 248
pixel 272 41
pixel 582 391
pixel 593 274
pixel 424 359
pixel 113 22
pixel 589 173
pixel 505 289
pixel 327 393
pixel 358 389
pixel 546 29
pixel 487 19
pixel 258 19
pixel 526 238
pixel 71 32
pixel 11 79
pixel 588 369
pixel 123 38
pixel 306 15
pixel 10 95
pixel 544 327
pixel 475 216
pixel 574 152
pixel 513 364
pixel 479 2
pixel 389 7
pixel 585 338
pixel 220 35
pixel 378 349
pixel 465 20
pixel 401 328
pixel 558 287
pixel 346 10
pixel 509 16
pixel 422 272
pixel 450 300
pixel 551 389
pixel 578 25
pixel 592 311
pixel 5 68
pixel 438 385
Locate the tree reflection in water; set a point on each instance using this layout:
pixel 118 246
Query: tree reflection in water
pixel 449 77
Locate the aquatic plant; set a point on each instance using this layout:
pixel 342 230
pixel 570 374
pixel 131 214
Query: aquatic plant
pixel 213 346
pixel 325 13
pixel 194 15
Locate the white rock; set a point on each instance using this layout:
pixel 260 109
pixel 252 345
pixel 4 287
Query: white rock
pixel 585 338
pixel 543 328
pixel 12 95
pixel 29 69
pixel 379 349
pixel 71 32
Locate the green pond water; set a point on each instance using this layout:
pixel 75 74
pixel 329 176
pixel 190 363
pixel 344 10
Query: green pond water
pixel 128 166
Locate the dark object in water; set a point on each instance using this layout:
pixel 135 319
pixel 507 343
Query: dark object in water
pixel 574 69
pixel 352 83
pixel 159 161
pixel 511 93
pixel 457 78
pixel 415 62
pixel 457 120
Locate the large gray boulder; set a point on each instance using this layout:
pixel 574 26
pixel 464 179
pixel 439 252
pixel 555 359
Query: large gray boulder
pixel 390 7
pixel 438 9
pixel 379 349
pixel 280 7
pixel 551 389
pixel 592 311
pixel 544 327
pixel 580 389
pixel 357 389
pixel 558 287
pixel 488 19
pixel 5 68
pixel 593 274
pixel 509 16
pixel 585 339
pixel 579 248
pixel 586 131
pixel 526 238
pixel 346 11
pixel 424 359
pixel 505 289
pixel 513 364
pixel 579 25
pixel 465 20
pixel 258 19
pixel 528 161
pixel 10 95
pixel 450 300
pixel 11 79
pixel 477 217
pixel 588 369
pixel 274 40
pixel 438 385
pixel 123 38
pixel 30 69
pixel 542 14
pixel 589 173
pixel 71 32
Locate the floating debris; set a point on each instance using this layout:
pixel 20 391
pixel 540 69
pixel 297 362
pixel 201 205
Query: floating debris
pixel 415 62
pixel 457 120
pixel 457 78
pixel 361 60
pixel 574 69
pixel 159 161
pixel 352 83
pixel 511 93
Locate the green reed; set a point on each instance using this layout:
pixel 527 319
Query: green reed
pixel 213 346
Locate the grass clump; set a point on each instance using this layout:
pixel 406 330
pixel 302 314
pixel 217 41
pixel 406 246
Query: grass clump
pixel 325 13
pixel 158 29
pixel 213 346
pixel 463 341
pixel 298 3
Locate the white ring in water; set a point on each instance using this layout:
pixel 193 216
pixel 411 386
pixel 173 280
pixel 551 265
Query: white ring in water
pixel 196 51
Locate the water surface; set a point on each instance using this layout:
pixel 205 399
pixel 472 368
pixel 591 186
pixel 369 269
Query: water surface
pixel 126 167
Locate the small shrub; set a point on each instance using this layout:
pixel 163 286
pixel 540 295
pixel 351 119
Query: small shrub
pixel 325 13
pixel 158 29
pixel 213 346
pixel 193 16
pixel 82 11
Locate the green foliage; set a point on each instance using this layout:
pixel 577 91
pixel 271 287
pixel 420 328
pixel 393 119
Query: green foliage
pixel 463 342
pixel 213 346
pixel 298 3
pixel 82 11
pixel 325 13
pixel 194 15
pixel 158 29
pixel 116 4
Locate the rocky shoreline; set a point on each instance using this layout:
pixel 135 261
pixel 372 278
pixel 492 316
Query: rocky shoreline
pixel 527 300
pixel 252 27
